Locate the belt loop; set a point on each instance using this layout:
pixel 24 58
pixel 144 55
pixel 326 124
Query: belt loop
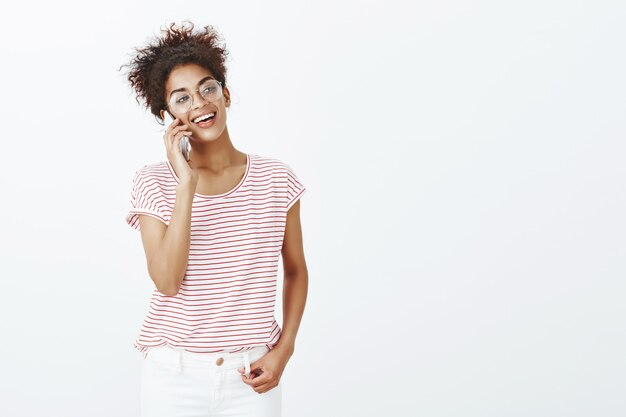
pixel 180 360
pixel 246 362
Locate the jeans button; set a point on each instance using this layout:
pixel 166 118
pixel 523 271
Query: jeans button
pixel 219 361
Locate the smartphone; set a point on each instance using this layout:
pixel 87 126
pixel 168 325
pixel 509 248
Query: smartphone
pixel 185 148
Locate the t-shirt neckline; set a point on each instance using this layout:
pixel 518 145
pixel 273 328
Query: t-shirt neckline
pixel 243 179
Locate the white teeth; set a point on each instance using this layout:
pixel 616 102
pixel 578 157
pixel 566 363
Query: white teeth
pixel 205 117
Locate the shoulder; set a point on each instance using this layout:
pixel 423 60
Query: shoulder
pixel 152 173
pixel 153 170
pixel 151 177
pixel 271 164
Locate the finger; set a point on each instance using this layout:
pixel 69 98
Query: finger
pixel 258 364
pixel 174 130
pixel 183 133
pixel 257 367
pixel 180 135
pixel 172 125
pixel 177 128
pixel 265 387
pixel 169 142
pixel 251 376
pixel 175 142
pixel 259 380
pixel 248 380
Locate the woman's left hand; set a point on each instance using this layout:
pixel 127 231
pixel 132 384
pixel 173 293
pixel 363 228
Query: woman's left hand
pixel 269 368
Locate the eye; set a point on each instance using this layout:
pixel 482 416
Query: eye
pixel 182 99
pixel 209 89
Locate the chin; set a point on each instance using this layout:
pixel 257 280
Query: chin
pixel 207 136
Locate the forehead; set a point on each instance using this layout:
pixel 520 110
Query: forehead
pixel 185 76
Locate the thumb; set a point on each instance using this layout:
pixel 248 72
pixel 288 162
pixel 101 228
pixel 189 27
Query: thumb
pixel 253 366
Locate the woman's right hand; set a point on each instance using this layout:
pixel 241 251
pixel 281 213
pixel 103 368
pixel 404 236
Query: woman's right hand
pixel 172 137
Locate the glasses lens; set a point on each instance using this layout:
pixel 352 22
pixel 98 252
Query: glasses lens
pixel 211 90
pixel 181 100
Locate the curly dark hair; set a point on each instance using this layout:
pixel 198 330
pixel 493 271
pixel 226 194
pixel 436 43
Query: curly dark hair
pixel 179 45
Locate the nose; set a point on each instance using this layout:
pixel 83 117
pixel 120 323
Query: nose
pixel 196 104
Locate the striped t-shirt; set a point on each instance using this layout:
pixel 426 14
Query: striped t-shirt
pixel 227 297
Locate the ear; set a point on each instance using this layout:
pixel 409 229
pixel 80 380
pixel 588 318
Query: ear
pixel 226 94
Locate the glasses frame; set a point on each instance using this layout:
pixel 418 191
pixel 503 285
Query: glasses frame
pixel 193 96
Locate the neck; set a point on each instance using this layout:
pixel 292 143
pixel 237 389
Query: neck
pixel 216 155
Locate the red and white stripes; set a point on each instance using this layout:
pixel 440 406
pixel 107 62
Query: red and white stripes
pixel 227 298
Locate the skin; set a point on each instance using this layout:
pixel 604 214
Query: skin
pixel 215 167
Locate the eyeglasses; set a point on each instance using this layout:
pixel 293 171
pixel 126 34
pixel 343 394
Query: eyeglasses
pixel 181 101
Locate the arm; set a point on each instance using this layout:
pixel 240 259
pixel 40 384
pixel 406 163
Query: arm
pixel 296 280
pixel 167 247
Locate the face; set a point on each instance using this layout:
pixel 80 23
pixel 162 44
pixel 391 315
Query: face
pixel 188 77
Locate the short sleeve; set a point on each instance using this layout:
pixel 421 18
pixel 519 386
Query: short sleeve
pixel 295 189
pixel 143 201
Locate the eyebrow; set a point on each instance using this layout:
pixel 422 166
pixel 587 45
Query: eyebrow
pixel 208 77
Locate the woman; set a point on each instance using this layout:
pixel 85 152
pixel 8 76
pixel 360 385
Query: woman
pixel 213 229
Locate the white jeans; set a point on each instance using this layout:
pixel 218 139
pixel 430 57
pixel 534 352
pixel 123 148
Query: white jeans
pixel 178 383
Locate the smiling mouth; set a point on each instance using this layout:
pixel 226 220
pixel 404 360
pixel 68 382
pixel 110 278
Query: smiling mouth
pixel 204 119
